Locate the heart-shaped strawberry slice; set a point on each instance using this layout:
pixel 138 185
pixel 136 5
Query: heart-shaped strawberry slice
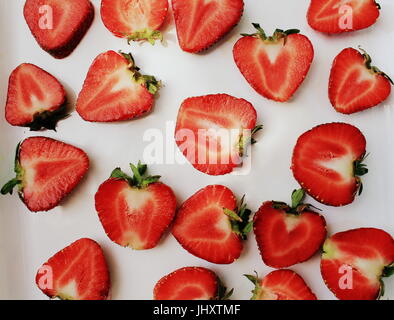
pixel 287 235
pixel 57 25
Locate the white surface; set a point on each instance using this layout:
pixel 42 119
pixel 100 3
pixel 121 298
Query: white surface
pixel 27 240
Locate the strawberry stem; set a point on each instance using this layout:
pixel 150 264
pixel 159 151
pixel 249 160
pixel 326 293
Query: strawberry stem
pixel 243 141
pixel 145 35
pixel 239 219
pixel 48 119
pixel 297 206
pixel 256 281
pixel 18 180
pixel 278 34
pixel 373 69
pixel 139 179
pixel 150 82
pixel 360 169
pixel 223 294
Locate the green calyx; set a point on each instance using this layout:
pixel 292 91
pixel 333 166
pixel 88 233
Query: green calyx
pixel 278 34
pixel 150 82
pixel 145 35
pixel 139 180
pixel 18 180
pixel 244 142
pixel 297 206
pixel 48 119
pixel 371 68
pixel 239 219
pixel 223 293
pixel 257 287
pixel 360 169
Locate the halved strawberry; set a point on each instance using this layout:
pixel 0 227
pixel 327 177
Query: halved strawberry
pixel 46 170
pixel 200 24
pixel 135 20
pixel 191 283
pixel 78 272
pixel 328 162
pixel 287 235
pixel 213 132
pixel 354 262
pixel 337 16
pixel 280 285
pixel 115 90
pixel 36 99
pixel 211 226
pixel 135 212
pixel 57 25
pixel 355 84
pixel 274 66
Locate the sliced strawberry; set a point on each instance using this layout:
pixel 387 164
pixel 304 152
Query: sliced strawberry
pixel 211 226
pixel 354 262
pixel 212 132
pixel 327 162
pixel 135 19
pixel 355 85
pixel 274 66
pixel 337 16
pixel 200 24
pixel 287 235
pixel 47 171
pixel 57 25
pixel 35 98
pixel 135 212
pixel 115 90
pixel 191 283
pixel 78 272
pixel 281 285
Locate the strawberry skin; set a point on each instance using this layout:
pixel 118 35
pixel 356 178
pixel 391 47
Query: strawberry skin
pixel 136 19
pixel 354 262
pixel 355 85
pixel 46 170
pixel 190 283
pixel 200 24
pixel 135 212
pixel 78 272
pixel 327 163
pixel 210 226
pixel 71 20
pixel 114 90
pixel 330 16
pixel 35 99
pixel 281 285
pixel 274 66
pixel 288 235
pixel 200 124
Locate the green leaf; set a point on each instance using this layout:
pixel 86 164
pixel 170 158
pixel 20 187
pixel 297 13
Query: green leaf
pixel 137 176
pixel 248 228
pixel 145 35
pixel 253 278
pixel 9 186
pixel 48 119
pixel 234 216
pixel 297 197
pixel 149 180
pixel 223 294
pixel 388 271
pixel 119 174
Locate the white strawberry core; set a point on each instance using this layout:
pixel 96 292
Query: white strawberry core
pixel 291 222
pixel 342 165
pixel 69 291
pixel 136 198
pixel 273 50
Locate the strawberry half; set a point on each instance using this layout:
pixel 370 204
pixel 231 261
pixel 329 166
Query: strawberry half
pixel 211 226
pixel 280 285
pixel 35 99
pixel 274 66
pixel 214 131
pixel 78 272
pixel 191 283
pixel 46 170
pixel 135 20
pixel 354 262
pixel 57 25
pixel 115 90
pixel 328 162
pixel 200 24
pixel 135 212
pixel 355 84
pixel 337 16
pixel 287 235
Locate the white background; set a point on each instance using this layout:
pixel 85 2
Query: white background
pixel 27 240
